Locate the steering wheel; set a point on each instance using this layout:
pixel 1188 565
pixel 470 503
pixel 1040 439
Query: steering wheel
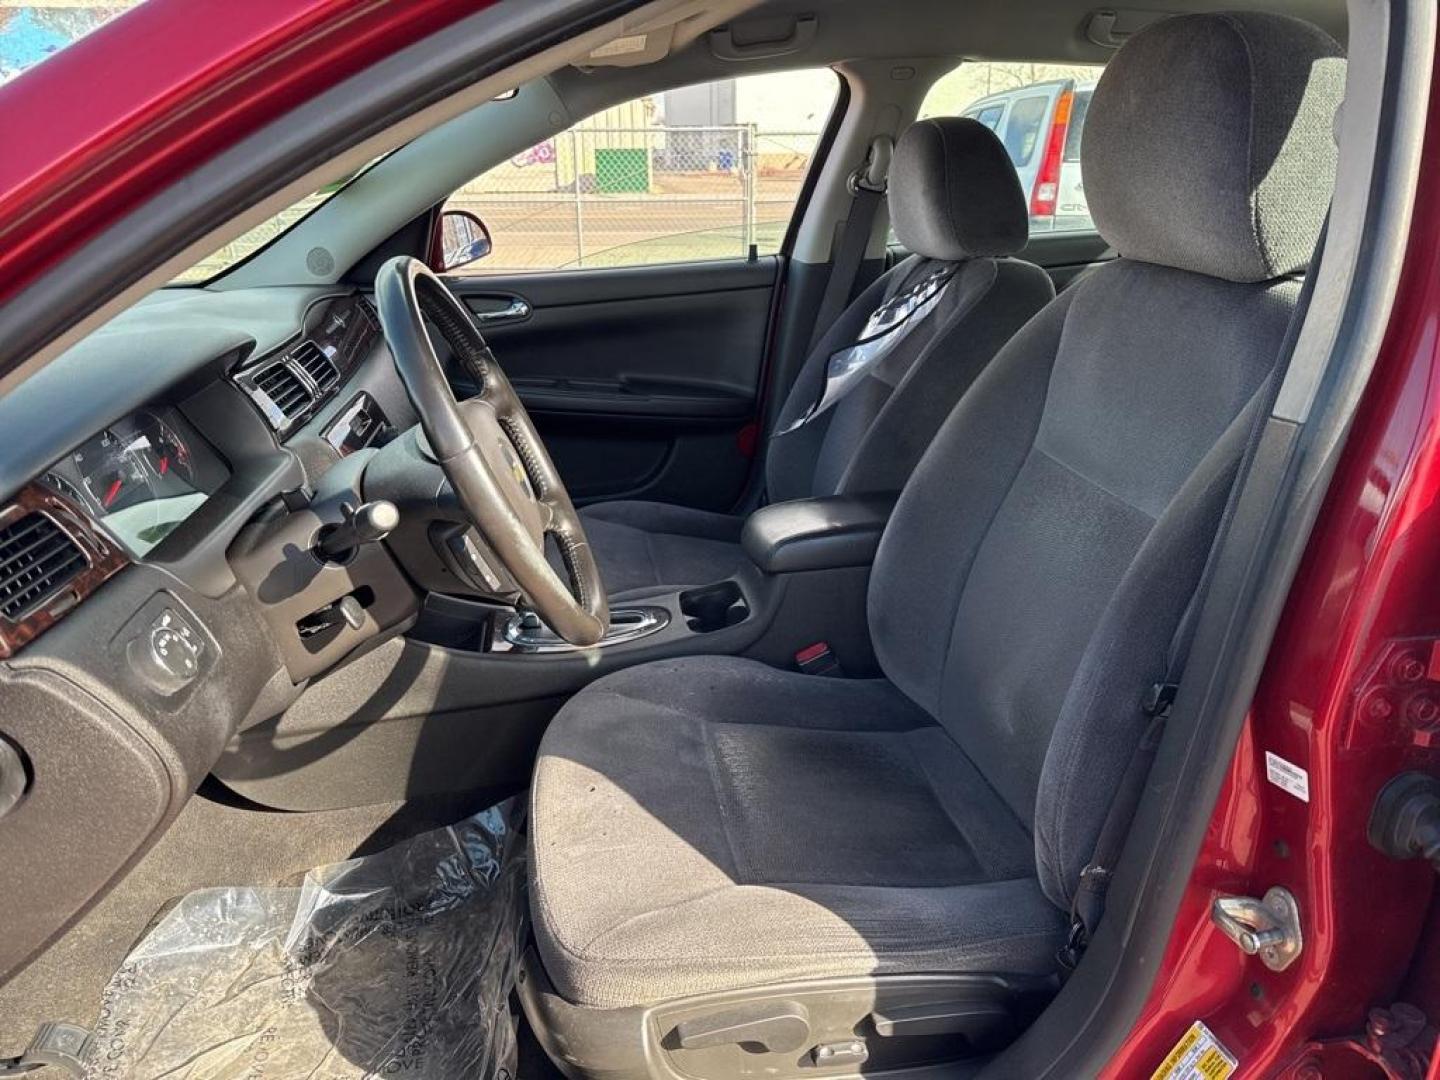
pixel 490 452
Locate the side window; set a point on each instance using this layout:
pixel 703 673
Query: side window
pixel 701 172
pixel 989 116
pixel 1038 111
pixel 1022 132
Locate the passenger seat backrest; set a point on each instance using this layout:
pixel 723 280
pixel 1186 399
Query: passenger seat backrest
pixel 1050 540
pixel 957 205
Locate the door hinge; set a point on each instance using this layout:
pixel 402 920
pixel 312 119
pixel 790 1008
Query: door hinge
pixel 1398 1043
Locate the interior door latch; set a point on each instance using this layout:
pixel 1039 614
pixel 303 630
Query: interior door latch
pixel 1268 928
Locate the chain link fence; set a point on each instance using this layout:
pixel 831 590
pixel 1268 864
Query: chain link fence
pixel 613 197
pixel 627 196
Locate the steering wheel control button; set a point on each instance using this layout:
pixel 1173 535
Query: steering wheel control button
pixel 167 655
pixel 471 562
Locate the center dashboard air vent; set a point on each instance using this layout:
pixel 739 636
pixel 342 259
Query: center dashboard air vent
pixel 312 360
pixel 37 560
pixel 290 387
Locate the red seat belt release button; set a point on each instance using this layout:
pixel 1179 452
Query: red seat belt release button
pixel 817 659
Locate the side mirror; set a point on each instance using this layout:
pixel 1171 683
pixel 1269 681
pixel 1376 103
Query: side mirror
pixel 463 238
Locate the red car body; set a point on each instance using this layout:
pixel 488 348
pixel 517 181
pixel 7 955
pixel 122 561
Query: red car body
pixel 1341 694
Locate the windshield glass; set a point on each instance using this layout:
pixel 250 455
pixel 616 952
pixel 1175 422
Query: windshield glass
pixel 245 245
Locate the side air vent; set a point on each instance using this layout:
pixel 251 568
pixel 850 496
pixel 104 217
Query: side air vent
pixel 37 560
pixel 286 392
pixel 371 315
pixel 313 361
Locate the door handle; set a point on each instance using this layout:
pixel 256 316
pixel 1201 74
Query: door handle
pixel 518 308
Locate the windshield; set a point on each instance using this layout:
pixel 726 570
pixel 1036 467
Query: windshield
pixel 245 245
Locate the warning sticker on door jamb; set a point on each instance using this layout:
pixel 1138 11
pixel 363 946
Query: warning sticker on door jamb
pixel 1287 776
pixel 1197 1056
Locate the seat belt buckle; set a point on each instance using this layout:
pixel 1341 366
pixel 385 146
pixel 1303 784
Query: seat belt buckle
pixel 1067 957
pixel 817 659
pixel 1158 699
pixel 1085 911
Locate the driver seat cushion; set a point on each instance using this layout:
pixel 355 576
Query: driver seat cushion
pixel 641 545
pixel 711 822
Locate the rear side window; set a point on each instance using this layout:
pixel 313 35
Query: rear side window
pixel 1022 131
pixel 697 173
pixel 1038 111
pixel 989 116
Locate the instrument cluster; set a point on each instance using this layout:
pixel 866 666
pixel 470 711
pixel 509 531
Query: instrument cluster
pixel 140 478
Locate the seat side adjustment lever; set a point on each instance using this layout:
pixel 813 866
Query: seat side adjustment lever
pixel 780 1027
pixel 980 1021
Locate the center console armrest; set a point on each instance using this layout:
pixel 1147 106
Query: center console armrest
pixel 816 534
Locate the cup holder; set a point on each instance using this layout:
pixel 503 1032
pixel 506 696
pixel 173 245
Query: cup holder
pixel 714 607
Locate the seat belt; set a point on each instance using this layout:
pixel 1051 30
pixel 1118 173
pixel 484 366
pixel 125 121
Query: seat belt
pixel 906 305
pixel 867 189
pixel 1088 904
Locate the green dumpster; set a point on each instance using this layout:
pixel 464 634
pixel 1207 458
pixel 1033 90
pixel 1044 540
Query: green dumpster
pixel 624 169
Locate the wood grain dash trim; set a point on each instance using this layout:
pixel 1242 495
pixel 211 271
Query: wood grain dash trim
pixel 103 557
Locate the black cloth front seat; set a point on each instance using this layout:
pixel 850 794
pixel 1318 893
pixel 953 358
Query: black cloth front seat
pixel 711 823
pixel 956 204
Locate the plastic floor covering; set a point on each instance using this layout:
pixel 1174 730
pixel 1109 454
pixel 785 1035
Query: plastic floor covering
pixel 397 964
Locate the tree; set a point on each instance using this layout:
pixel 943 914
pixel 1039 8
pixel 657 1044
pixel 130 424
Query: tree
pixel 956 91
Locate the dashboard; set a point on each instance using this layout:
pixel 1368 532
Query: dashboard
pixel 161 489
pixel 150 471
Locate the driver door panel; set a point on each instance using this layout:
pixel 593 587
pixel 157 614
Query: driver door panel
pixel 642 380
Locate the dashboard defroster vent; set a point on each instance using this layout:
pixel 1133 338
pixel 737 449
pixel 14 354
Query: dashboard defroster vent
pixel 37 560
pixel 313 361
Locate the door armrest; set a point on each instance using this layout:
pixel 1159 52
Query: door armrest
pixel 816 534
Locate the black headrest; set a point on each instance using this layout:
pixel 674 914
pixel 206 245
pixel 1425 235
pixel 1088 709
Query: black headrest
pixel 953 192
pixel 1209 145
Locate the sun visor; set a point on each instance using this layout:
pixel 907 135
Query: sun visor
pixel 631 50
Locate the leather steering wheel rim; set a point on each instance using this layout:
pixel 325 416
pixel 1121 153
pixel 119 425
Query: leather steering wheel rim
pixel 513 513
